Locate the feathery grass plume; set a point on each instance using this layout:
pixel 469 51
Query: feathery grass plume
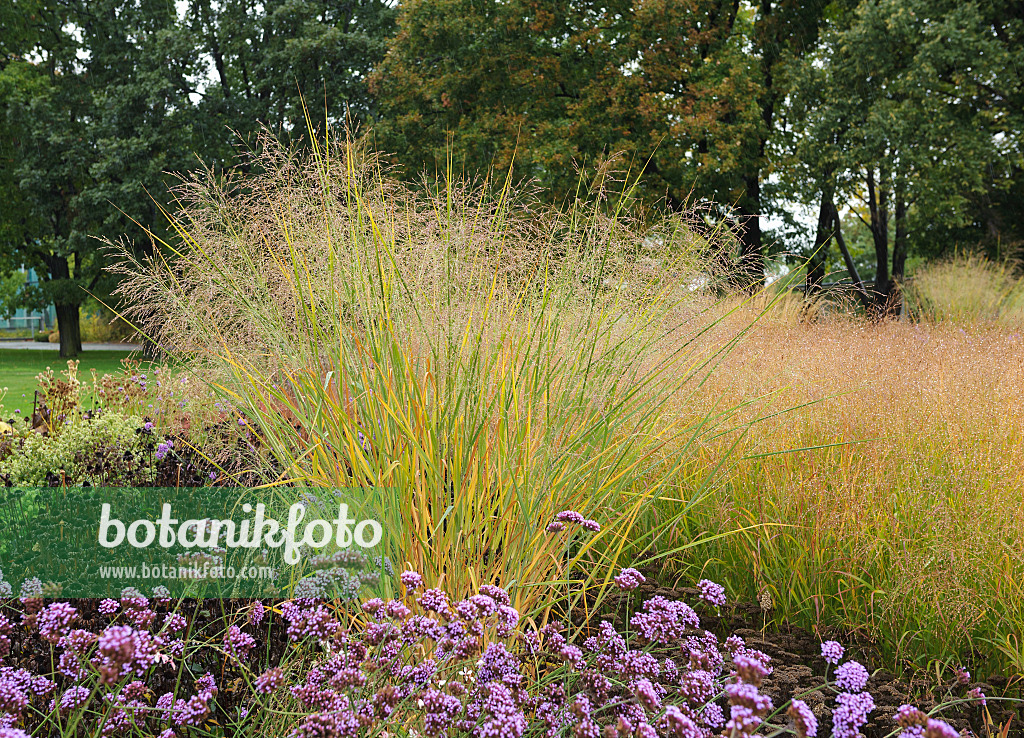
pixel 488 361
pixel 968 290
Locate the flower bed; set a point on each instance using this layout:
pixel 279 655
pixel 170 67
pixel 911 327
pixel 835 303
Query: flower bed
pixel 424 665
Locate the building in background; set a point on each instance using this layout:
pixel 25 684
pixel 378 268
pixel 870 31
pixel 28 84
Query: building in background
pixel 30 320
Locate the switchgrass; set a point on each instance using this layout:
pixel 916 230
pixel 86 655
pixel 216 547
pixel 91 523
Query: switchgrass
pixel 968 289
pixel 484 363
pixel 903 522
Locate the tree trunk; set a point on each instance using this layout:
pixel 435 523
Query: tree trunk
pixel 878 204
pixel 899 253
pixel 751 266
pixel 816 265
pixel 70 329
pixel 858 285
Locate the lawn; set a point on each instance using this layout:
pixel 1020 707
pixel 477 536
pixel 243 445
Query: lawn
pixel 19 367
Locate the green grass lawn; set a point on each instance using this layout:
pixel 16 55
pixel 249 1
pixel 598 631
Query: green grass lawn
pixel 19 367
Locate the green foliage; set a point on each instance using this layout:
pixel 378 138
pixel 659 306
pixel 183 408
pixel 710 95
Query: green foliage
pixel 685 90
pixel 99 100
pixel 904 114
pixel 77 453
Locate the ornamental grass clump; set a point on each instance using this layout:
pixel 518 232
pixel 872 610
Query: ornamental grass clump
pixel 481 360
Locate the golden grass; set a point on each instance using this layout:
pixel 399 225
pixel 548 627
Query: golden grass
pixel 911 534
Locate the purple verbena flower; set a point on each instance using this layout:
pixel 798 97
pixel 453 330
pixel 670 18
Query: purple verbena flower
pixel 55 621
pixel 675 723
pixel 804 722
pixel 750 670
pixel 664 620
pixel 256 614
pixel 412 581
pixel 647 695
pixel 270 680
pixel 851 677
pixel 832 652
pixel 711 593
pixel 629 579
pixel 963 677
pixel 940 729
pixel 237 643
pixel 851 714
pixel 74 698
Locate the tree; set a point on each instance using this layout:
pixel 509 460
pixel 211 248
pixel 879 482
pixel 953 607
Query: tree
pixel 92 122
pixel 268 56
pixel 890 114
pixel 99 99
pixel 686 88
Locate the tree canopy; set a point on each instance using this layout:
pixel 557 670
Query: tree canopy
pixel 905 114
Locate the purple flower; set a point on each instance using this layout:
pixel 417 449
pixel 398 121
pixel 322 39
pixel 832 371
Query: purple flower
pixel 712 716
pixel 397 610
pixel 908 716
pixel 501 717
pixel 664 620
pixel 55 621
pixel 939 729
pixel 174 623
pixel 647 695
pixel 508 618
pixel 303 622
pixel 439 712
pixel 711 593
pixel 963 677
pixel 270 680
pixel 15 685
pixel 498 665
pixel 750 669
pixel 238 644
pixel 852 714
pixel 978 696
pixel 742 721
pixel 434 600
pixel 746 695
pixel 697 686
pixel 555 527
pixel 832 651
pixel 804 722
pixel 569 516
pixel 629 579
pixel 592 525
pixel 412 581
pixel 496 593
pixel 675 723
pixel 74 698
pixel 256 614
pixel 851 677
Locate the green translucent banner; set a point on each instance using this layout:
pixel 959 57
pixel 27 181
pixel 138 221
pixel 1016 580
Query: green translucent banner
pixel 191 542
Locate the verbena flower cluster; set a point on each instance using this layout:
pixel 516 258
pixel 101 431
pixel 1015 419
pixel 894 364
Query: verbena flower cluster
pixel 159 667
